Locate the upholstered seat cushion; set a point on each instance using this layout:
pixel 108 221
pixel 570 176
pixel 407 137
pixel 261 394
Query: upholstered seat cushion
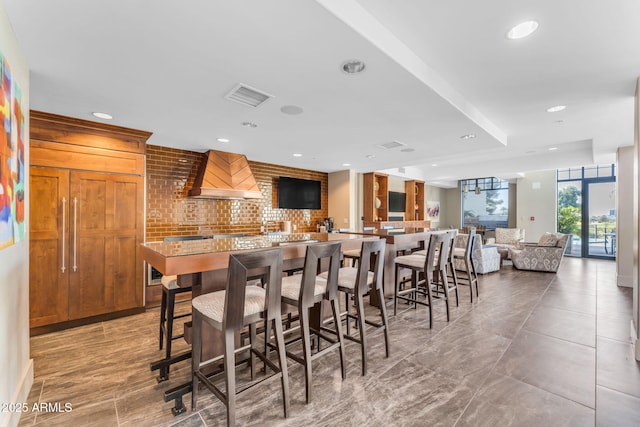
pixel 291 286
pixel 351 253
pixel 413 261
pixel 170 282
pixel 211 305
pixel 347 277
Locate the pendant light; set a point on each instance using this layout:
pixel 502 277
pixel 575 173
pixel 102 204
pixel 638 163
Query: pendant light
pixel 477 187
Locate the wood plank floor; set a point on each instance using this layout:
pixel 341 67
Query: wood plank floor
pixel 537 349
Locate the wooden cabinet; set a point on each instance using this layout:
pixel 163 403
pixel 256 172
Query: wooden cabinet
pixel 85 225
pixel 375 197
pixel 415 204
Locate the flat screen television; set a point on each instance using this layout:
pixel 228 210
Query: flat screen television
pixel 397 201
pixel 295 193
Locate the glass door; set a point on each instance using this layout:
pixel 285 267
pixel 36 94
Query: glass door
pixel 599 238
pixel 570 215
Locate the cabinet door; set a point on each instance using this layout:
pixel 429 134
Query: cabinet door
pixel 107 228
pixel 48 246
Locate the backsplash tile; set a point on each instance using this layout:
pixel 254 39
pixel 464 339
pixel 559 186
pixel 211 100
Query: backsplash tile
pixel 170 174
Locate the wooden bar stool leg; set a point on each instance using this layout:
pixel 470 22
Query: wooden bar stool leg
pixel 196 348
pixel 335 308
pixel 306 348
pixel 282 357
pixel 230 373
pixel 385 321
pixel 163 316
pixel 362 327
pixel 171 303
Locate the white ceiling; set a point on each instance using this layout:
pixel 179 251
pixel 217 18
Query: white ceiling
pixel 435 70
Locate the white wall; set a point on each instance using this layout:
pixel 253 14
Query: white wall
pixel 453 212
pixel 624 217
pixel 16 369
pixel 342 188
pixel 537 198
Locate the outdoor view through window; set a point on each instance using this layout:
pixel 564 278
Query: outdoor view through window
pixel 485 203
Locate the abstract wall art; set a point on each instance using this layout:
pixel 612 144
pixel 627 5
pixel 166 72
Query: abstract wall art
pixel 433 209
pixel 12 167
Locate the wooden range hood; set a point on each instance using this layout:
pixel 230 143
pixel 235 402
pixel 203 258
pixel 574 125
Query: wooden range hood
pixel 225 176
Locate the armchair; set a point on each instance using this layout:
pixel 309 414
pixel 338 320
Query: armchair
pixel 508 238
pixel 546 255
pixel 486 259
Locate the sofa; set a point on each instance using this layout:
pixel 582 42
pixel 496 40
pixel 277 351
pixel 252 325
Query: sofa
pixel 508 238
pixel 485 259
pixel 546 255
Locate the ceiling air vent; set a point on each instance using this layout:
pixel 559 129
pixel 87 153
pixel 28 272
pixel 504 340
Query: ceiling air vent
pixel 247 95
pixel 392 144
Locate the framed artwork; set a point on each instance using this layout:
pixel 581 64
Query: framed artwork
pixel 433 209
pixel 12 167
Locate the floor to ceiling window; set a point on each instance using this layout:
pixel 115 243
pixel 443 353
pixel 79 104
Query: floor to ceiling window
pixel 485 203
pixel 587 210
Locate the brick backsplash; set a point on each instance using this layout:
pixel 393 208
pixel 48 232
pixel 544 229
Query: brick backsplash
pixel 170 174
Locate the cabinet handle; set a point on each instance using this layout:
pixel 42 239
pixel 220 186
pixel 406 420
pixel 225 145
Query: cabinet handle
pixel 64 205
pixel 75 233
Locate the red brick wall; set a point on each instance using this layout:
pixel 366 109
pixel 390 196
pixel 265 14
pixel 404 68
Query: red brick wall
pixel 170 174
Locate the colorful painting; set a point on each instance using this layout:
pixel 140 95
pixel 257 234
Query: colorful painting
pixel 12 168
pixel 433 209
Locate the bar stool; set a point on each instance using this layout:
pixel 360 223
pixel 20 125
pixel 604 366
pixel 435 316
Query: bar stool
pixel 170 289
pixel 306 290
pixel 354 254
pixel 469 275
pixel 449 269
pixel 229 311
pixel 167 307
pixel 436 257
pixel 356 283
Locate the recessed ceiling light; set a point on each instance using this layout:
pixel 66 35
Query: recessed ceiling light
pixel 223 140
pixel 182 160
pixel 346 164
pixel 522 30
pixel 370 156
pixel 408 150
pixel 104 116
pixel 292 110
pixel 435 165
pixel 556 108
pixel 559 121
pixel 297 155
pixel 553 148
pixel 353 66
pixel 249 125
pixel 468 136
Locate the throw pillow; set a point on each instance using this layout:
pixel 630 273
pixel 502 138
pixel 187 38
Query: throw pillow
pixel 548 239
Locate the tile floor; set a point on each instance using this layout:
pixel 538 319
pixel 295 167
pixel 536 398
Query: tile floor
pixel 537 349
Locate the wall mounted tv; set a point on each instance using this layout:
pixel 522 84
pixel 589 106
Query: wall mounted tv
pixel 397 201
pixel 295 193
